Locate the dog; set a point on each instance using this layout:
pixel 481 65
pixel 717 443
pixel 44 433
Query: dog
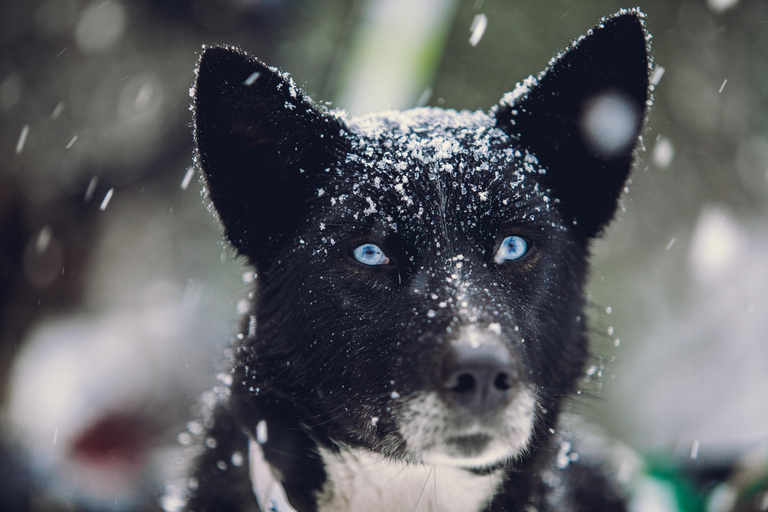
pixel 418 316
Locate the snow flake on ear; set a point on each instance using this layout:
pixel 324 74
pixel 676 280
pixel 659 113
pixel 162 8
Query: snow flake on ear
pixel 520 91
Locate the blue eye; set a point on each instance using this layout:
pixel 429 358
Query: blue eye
pixel 370 254
pixel 511 248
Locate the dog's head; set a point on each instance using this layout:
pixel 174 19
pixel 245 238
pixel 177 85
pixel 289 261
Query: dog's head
pixel 420 273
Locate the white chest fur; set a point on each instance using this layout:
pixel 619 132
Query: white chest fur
pixel 360 480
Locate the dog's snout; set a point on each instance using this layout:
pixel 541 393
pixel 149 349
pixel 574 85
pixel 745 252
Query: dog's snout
pixel 478 378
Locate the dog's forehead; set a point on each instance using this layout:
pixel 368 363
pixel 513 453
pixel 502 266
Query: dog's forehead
pixel 429 139
pixel 428 161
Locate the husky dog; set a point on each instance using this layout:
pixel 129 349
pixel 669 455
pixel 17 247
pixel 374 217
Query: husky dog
pixel 418 315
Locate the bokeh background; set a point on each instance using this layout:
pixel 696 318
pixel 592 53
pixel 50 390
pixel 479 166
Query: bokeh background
pixel 117 296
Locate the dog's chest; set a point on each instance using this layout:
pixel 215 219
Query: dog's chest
pixel 361 480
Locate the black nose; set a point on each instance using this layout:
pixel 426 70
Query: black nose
pixel 479 378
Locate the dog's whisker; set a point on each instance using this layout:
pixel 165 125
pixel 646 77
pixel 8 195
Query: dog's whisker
pixel 426 480
pixel 491 493
pixel 436 496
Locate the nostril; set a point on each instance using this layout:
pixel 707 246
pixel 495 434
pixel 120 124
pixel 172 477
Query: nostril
pixel 462 383
pixel 502 382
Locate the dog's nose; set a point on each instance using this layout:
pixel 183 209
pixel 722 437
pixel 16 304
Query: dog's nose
pixel 478 378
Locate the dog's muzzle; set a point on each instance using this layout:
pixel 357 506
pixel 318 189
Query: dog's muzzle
pixel 478 412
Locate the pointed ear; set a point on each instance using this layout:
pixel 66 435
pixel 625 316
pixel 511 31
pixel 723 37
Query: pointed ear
pixel 582 118
pixel 261 144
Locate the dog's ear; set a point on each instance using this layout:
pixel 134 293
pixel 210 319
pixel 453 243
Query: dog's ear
pixel 581 118
pixel 261 144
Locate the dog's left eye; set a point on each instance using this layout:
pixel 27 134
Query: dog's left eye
pixel 511 248
pixel 370 254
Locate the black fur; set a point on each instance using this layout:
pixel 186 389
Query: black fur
pixel 335 349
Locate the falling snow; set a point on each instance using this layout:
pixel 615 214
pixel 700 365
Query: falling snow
pixel 261 432
pixel 720 6
pixel 663 152
pixel 91 189
pixel 187 178
pixel 22 139
pixel 479 24
pixel 57 111
pixel 609 124
pixel 107 199
pixel 695 450
pixel 658 72
pixel 252 78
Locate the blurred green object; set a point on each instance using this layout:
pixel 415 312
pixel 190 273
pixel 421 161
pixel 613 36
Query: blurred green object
pixel 394 55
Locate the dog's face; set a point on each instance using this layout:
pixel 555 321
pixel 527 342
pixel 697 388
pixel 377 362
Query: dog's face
pixel 420 273
pixel 417 285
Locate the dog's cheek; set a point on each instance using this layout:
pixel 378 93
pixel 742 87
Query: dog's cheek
pixel 347 345
pixel 551 315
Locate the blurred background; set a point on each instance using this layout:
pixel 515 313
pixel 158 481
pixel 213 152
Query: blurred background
pixel 117 296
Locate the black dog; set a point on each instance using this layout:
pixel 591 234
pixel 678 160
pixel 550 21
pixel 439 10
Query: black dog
pixel 418 316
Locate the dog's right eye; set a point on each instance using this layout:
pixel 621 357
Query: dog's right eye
pixel 370 254
pixel 511 248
